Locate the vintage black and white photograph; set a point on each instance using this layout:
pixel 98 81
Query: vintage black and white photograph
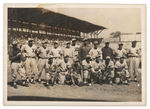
pixel 74 53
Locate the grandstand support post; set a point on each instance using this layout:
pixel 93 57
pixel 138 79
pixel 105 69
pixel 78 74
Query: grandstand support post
pixel 120 38
pixel 98 32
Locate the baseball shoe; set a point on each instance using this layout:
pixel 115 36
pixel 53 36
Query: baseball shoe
pixel 39 80
pixel 32 81
pixel 15 85
pixel 25 84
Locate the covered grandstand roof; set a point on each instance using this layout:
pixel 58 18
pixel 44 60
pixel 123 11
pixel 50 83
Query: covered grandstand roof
pixel 36 15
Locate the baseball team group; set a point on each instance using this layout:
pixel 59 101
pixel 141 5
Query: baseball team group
pixel 73 64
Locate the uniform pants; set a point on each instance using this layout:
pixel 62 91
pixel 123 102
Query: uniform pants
pixel 108 75
pixel 31 67
pixel 133 67
pixel 17 70
pixel 42 64
pixel 121 76
pixel 62 77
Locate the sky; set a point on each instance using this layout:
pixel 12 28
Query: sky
pixel 126 20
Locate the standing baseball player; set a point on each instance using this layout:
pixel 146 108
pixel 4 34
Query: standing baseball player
pixel 43 59
pixel 75 49
pixel 107 51
pixel 95 51
pixel 29 51
pixel 56 52
pixel 133 61
pixel 16 67
pixel 120 51
pixel 68 51
pixel 84 49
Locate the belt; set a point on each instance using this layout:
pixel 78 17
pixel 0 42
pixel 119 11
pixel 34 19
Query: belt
pixel 132 56
pixel 30 57
pixel 43 57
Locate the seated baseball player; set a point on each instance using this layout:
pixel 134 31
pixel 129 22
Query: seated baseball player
pixel 97 66
pixel 108 71
pixel 121 71
pixel 76 73
pixel 51 72
pixel 64 68
pixel 86 65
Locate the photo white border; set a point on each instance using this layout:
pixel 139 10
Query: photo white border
pixel 47 103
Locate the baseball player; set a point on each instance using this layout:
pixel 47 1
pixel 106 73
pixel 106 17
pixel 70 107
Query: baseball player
pixel 64 68
pixel 29 51
pixel 120 51
pixel 133 61
pixel 121 71
pixel 108 71
pixel 97 66
pixel 75 49
pixel 107 51
pixel 86 66
pixel 84 49
pixel 51 72
pixel 76 73
pixel 68 51
pixel 43 59
pixel 56 52
pixel 16 65
pixel 95 51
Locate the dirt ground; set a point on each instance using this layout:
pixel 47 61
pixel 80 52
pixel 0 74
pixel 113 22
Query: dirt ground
pixel 96 92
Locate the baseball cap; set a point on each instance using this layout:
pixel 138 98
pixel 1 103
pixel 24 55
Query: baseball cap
pixel 98 56
pixel 117 57
pixel 44 42
pixel 73 39
pixel 55 42
pixel 66 56
pixel 108 57
pixel 120 43
pixel 88 56
pixel 14 42
pixel 85 39
pixel 107 42
pixel 134 41
pixel 50 57
pixel 123 57
pixel 95 42
pixel 68 42
pixel 30 39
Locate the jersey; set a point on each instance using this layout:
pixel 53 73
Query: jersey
pixel 75 50
pixel 68 52
pixel 96 66
pixel 120 66
pixel 29 51
pixel 120 53
pixel 56 52
pixel 43 52
pixel 86 65
pixel 95 52
pixel 110 65
pixel 134 51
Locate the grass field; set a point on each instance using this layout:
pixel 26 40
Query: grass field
pixel 96 92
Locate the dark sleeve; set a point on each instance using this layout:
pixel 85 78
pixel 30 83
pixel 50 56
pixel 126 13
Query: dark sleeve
pixel 112 55
pixel 80 53
pixel 10 52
